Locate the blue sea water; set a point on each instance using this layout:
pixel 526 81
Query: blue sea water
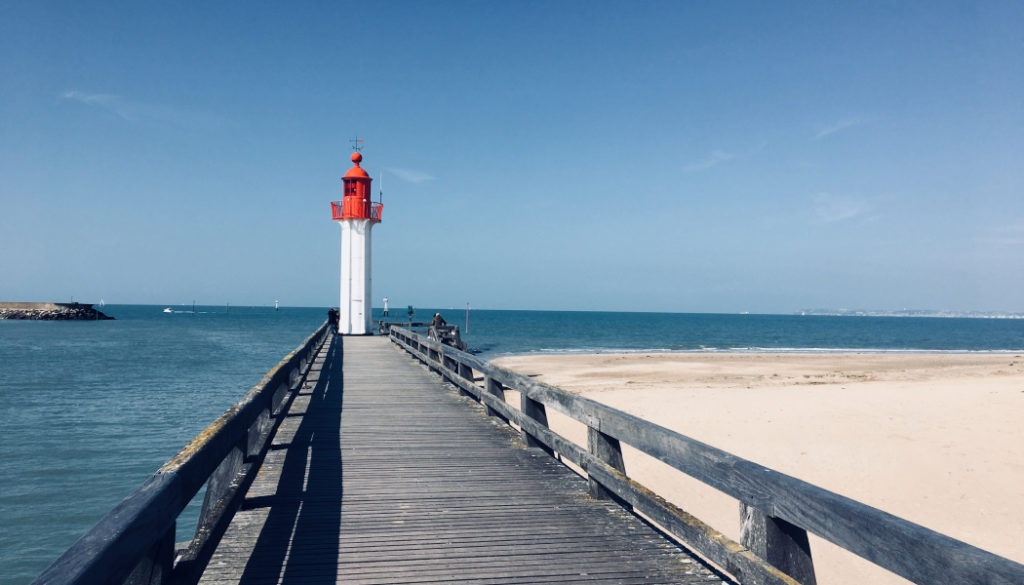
pixel 512 332
pixel 91 409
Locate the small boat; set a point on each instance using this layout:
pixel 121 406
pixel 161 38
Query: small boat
pixel 168 310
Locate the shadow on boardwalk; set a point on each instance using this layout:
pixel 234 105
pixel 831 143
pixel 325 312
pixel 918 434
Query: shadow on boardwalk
pixel 298 541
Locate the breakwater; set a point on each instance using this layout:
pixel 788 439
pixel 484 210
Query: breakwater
pixel 51 312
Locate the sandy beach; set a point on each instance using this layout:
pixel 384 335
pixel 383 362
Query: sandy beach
pixel 936 439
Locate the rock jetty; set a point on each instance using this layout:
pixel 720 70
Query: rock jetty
pixel 51 312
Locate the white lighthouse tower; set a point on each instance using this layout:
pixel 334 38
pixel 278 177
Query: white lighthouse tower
pixel 356 214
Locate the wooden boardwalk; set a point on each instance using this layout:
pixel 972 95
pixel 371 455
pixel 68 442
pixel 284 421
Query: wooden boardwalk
pixel 381 473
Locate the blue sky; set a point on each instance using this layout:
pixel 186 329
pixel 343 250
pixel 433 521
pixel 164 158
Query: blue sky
pixel 660 156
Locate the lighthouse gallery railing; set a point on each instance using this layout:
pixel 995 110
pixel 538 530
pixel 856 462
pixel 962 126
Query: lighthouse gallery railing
pixel 777 510
pixel 338 210
pixel 135 542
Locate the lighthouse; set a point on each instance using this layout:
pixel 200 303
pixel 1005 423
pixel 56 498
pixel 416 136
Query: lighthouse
pixel 357 215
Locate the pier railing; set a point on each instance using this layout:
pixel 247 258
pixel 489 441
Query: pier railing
pixel 134 543
pixel 776 510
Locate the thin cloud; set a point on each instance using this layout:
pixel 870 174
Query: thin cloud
pixel 138 112
pixel 829 208
pixel 1007 235
pixel 410 175
pixel 715 158
pixel 103 100
pixel 840 126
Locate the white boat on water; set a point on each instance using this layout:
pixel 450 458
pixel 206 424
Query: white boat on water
pixel 168 310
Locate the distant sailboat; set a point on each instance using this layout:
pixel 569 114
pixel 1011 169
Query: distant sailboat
pixel 276 306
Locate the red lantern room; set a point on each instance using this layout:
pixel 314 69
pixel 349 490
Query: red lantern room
pixel 356 203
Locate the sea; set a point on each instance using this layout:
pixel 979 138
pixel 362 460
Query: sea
pixel 91 409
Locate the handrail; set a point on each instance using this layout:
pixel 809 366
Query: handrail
pixel 135 542
pixel 777 510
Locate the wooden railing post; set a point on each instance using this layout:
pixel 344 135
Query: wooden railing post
pixel 155 568
pixel 537 412
pixel 277 400
pixel 465 371
pixel 218 486
pixel 260 428
pixel 456 369
pixel 782 544
pixel 495 388
pixel 607 449
pixel 257 432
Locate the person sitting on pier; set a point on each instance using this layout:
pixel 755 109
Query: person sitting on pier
pixel 438 320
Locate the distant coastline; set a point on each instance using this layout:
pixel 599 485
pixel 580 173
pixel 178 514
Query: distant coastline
pixel 911 313
pixel 51 312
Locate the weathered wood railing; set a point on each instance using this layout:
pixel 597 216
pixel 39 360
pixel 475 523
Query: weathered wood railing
pixel 134 544
pixel 776 510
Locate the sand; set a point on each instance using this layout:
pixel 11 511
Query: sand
pixel 936 439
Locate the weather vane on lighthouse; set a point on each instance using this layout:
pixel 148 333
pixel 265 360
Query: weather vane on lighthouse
pixel 357 143
pixel 356 213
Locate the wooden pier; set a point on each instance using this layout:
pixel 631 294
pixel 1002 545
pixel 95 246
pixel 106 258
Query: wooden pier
pixel 399 459
pixel 381 474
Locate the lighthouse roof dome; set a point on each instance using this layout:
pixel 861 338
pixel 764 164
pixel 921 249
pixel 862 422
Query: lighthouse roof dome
pixel 356 172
